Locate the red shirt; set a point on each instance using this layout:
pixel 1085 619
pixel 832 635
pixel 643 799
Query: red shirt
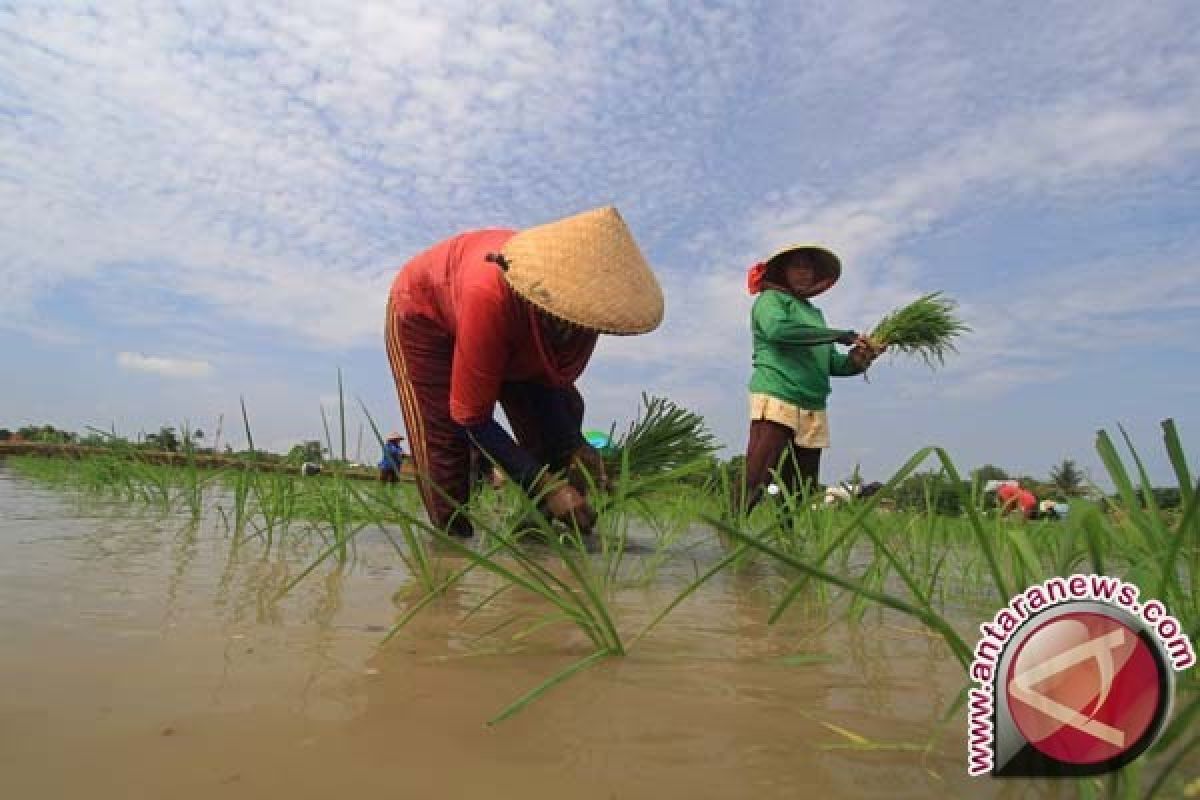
pixel 1024 497
pixel 498 337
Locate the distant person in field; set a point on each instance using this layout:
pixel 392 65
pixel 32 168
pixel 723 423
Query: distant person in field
pixel 794 357
pixel 1011 497
pixel 393 458
pixel 497 316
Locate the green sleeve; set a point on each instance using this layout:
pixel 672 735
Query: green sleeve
pixel 777 327
pixel 841 365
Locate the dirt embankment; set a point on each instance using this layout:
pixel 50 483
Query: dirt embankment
pixel 165 458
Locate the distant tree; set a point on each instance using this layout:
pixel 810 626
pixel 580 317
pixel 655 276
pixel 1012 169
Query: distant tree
pixel 1067 478
pixel 933 491
pixel 165 439
pixel 44 433
pixel 5 434
pixel 989 472
pixel 306 451
pixel 1167 498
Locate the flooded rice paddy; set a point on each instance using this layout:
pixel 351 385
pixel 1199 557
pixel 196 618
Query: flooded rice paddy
pixel 142 655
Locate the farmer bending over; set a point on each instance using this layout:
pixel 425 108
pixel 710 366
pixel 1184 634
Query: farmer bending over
pixel 499 316
pixel 793 359
pixel 1012 497
pixel 393 458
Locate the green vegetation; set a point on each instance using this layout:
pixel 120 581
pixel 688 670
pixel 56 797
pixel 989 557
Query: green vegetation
pixel 1067 478
pixel 926 546
pixel 663 437
pixel 926 327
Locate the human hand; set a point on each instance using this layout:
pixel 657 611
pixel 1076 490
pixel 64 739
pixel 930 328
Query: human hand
pixel 862 355
pixel 565 504
pixel 585 469
pixel 866 350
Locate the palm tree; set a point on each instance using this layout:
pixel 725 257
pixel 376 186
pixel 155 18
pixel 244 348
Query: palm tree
pixel 1067 477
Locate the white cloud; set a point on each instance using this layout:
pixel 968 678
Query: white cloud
pixel 278 163
pixel 167 367
pixel 273 163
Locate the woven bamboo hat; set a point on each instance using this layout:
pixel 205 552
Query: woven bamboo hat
pixel 586 270
pixel 825 259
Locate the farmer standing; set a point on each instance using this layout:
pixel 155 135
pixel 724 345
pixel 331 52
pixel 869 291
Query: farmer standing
pixel 793 360
pixel 500 316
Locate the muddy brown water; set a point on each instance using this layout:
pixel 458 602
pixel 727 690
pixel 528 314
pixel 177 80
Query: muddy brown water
pixel 142 656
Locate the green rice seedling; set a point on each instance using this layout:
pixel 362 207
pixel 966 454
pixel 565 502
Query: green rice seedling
pixel 335 511
pixel 847 532
pixel 246 427
pixel 345 510
pixel 574 585
pixel 417 556
pixel 919 611
pixel 633 496
pixel 193 480
pixel 341 415
pixel 153 484
pixel 926 327
pixel 276 500
pixel 668 524
pixel 243 485
pixel 662 438
pixel 1140 544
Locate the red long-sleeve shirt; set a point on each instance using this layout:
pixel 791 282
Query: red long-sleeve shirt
pixel 497 336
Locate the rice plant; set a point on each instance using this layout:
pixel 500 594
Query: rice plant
pixel 926 327
pixel 664 437
pixel 1142 545
pixel 668 499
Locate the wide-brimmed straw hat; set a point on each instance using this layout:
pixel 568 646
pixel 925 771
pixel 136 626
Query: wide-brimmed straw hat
pixel 586 270
pixel 393 436
pixel 825 259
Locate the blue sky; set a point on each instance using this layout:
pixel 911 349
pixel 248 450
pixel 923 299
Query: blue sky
pixel 207 200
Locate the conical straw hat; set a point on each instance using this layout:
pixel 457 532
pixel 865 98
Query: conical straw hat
pixel 587 270
pixel 825 258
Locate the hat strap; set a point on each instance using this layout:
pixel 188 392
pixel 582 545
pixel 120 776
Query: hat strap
pixel 498 259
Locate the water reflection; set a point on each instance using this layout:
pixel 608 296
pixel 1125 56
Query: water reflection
pixel 137 624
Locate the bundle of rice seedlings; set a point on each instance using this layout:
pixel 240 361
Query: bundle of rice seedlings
pixel 926 327
pixel 664 437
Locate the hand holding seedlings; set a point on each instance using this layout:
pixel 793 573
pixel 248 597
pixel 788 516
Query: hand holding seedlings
pixel 926 327
pixel 564 504
pixel 864 352
pixel 585 469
